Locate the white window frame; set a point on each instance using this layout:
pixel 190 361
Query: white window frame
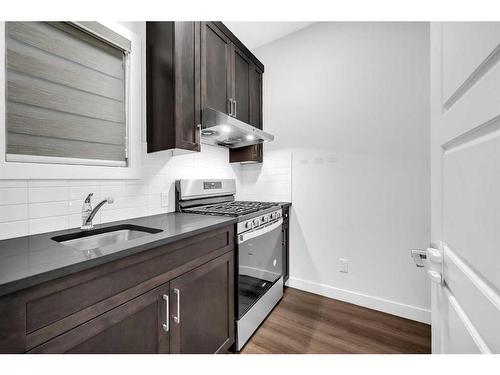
pixel 35 168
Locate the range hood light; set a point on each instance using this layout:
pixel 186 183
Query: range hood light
pixel 218 128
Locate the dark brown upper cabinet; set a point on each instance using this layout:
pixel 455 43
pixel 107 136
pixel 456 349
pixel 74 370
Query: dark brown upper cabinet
pixel 241 85
pixel 173 85
pixel 255 96
pixel 244 95
pixel 196 65
pixel 216 83
pixel 254 153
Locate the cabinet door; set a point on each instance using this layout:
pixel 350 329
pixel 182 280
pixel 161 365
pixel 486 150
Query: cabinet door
pixel 202 308
pixel 255 94
pixel 138 326
pixel 187 85
pixel 254 153
pixel 241 82
pixel 160 83
pixel 216 84
pixel 173 85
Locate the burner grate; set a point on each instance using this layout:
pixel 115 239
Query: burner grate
pixel 236 208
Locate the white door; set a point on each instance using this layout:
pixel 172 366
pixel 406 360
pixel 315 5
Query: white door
pixel 465 185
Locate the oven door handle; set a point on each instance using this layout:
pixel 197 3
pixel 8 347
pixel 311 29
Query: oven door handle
pixel 260 231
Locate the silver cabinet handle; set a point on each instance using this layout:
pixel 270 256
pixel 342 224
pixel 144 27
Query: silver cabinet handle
pixel 167 314
pixel 198 128
pixel 232 107
pixel 177 318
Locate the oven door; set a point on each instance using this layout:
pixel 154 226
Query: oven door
pixel 259 263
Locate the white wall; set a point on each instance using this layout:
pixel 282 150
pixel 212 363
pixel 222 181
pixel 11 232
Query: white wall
pixel 350 103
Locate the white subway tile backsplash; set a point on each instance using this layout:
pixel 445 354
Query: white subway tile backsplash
pixel 13 229
pixel 45 183
pixel 36 206
pixel 13 212
pixel 123 190
pixel 48 224
pixel 120 182
pixel 83 182
pixel 123 214
pixel 269 181
pixel 47 209
pixel 157 210
pixel 13 196
pixel 47 194
pixel 126 202
pixel 81 192
pixel 13 183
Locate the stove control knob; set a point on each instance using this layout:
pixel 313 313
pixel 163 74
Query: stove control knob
pixel 248 225
pixel 256 222
pixel 273 216
pixel 265 219
pixel 278 215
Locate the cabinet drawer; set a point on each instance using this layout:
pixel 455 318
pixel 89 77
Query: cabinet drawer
pixel 134 327
pixel 59 306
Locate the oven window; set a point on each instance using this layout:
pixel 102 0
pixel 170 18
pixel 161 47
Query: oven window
pixel 259 266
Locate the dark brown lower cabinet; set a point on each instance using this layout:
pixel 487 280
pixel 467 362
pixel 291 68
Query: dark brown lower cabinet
pixel 134 327
pixel 202 308
pixel 200 318
pixel 175 298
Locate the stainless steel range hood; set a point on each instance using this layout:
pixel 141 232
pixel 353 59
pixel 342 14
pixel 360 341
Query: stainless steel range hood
pixel 221 129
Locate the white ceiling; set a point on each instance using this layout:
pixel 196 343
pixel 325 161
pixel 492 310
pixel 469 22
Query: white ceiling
pixel 256 34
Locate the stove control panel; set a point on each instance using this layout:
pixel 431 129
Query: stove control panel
pixel 259 221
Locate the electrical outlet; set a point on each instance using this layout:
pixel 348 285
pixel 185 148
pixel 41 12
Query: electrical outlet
pixel 164 198
pixel 343 265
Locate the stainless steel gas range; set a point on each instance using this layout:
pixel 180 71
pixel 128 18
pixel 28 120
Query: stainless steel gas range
pixel 259 283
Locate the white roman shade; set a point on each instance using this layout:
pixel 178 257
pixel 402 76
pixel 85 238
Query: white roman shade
pixel 66 93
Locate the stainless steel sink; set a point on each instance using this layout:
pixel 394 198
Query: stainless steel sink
pixel 102 237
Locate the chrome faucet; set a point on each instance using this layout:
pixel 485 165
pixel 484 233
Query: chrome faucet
pixel 88 213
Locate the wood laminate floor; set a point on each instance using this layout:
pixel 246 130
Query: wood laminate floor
pixel 308 323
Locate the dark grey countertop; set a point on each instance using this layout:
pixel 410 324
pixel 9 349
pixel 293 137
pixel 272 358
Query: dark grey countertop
pixel 31 260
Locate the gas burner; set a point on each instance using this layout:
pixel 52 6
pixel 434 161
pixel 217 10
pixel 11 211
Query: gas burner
pixel 235 208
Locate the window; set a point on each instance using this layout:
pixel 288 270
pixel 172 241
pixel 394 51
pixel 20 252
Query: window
pixel 66 93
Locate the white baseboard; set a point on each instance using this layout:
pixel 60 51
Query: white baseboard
pixel 376 303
